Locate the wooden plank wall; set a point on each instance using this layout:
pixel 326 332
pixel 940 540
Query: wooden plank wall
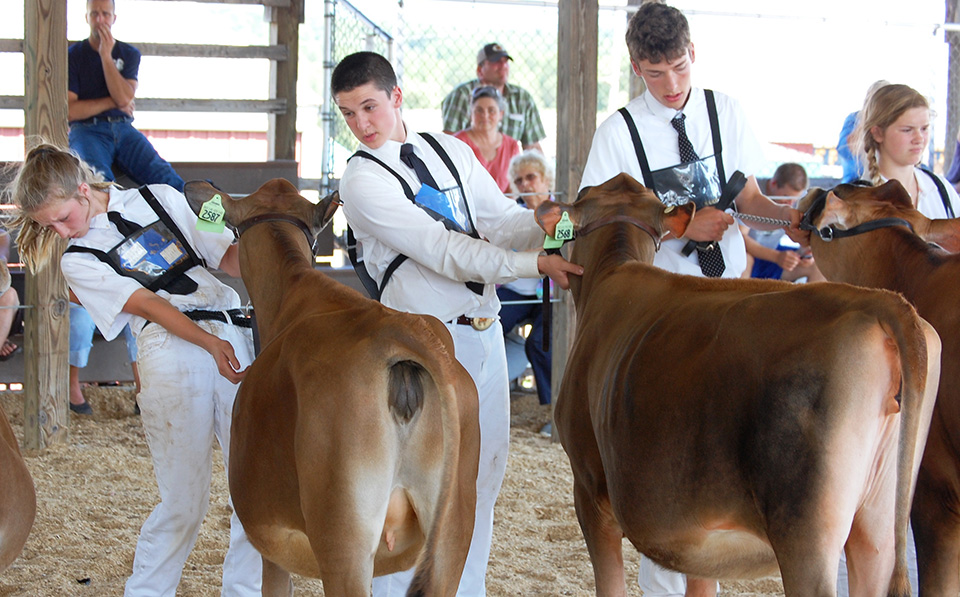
pixel 47 330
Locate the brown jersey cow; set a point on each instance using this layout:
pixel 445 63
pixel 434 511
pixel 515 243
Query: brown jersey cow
pixel 728 427
pixel 18 501
pixel 895 258
pixel 18 498
pixel 355 437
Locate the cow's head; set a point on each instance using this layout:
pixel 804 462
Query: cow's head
pixel 620 199
pixel 277 196
pixel 848 206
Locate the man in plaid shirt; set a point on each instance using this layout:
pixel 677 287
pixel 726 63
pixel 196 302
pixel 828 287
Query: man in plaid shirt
pixel 521 120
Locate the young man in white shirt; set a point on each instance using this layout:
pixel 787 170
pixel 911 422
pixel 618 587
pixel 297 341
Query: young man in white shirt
pixel 473 238
pixel 719 144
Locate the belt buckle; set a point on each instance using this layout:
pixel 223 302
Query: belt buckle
pixel 481 323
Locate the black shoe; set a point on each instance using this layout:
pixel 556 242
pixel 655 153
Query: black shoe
pixel 81 409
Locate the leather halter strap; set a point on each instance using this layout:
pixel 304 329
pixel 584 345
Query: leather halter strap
pixel 247 224
pixel 828 233
pixel 268 217
pixel 585 230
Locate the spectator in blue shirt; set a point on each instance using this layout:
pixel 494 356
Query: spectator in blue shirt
pixel 102 83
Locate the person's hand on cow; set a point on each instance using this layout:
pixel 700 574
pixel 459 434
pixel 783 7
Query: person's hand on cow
pixel 156 309
pixel 708 224
pixel 793 231
pixel 227 363
pixel 558 269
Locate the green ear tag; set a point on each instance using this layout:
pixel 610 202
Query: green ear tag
pixel 210 218
pixel 562 233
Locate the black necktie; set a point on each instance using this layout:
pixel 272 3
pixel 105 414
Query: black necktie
pixel 182 284
pixel 412 161
pixel 709 255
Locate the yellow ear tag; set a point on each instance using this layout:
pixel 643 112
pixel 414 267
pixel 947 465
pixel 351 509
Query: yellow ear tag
pixel 562 233
pixel 210 218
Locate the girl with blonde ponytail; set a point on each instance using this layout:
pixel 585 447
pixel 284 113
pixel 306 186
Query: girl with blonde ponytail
pixel 892 137
pixel 134 256
pixel 47 174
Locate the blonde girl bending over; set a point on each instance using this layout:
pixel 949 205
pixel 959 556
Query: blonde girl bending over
pixel 135 257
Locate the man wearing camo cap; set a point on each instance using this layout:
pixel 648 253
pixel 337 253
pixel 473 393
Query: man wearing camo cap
pixel 521 120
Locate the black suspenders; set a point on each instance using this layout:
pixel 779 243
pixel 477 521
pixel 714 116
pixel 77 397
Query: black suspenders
pixel 714 130
pixel 366 279
pixel 173 280
pixel 944 196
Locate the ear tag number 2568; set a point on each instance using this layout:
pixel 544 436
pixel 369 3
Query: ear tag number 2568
pixel 210 218
pixel 562 233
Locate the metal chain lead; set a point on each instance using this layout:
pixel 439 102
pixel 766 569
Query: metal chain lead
pixel 760 219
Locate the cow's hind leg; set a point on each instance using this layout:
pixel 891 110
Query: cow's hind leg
pixel 276 580
pixel 869 562
pixel 936 529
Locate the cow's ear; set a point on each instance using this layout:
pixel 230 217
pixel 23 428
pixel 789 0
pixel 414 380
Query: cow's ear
pixel 893 192
pixel 676 218
pixel 325 209
pixel 549 213
pixel 199 192
pixel 835 211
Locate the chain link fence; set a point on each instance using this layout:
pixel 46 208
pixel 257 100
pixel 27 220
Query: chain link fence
pixel 431 57
pixel 796 76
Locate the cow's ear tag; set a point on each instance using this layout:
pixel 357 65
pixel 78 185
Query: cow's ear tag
pixel 210 218
pixel 561 234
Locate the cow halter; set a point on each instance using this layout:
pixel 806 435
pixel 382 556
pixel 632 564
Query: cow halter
pixel 828 233
pixel 278 217
pixel 585 230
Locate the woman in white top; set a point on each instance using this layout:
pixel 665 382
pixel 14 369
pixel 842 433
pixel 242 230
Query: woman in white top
pixel 892 138
pixel 135 257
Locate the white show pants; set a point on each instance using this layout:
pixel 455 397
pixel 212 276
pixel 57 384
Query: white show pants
pixel 656 581
pixel 185 403
pixel 482 355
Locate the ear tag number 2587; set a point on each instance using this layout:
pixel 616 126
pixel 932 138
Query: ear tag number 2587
pixel 562 233
pixel 210 218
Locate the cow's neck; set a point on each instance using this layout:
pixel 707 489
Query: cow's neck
pixel 274 260
pixel 891 258
pixel 605 251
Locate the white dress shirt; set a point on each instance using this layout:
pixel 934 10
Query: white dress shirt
pixel 929 202
pixel 104 292
pixel 386 223
pixel 612 152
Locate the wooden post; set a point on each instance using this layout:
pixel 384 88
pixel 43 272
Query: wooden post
pixel 46 320
pixel 284 31
pixel 576 123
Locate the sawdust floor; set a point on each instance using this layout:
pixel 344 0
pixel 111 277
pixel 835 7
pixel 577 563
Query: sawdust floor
pixel 96 490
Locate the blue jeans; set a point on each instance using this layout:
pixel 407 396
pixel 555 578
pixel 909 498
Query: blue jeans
pixel 81 337
pixel 102 143
pixel 540 360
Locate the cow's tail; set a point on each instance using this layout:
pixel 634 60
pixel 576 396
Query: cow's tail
pixel 441 562
pixel 906 328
